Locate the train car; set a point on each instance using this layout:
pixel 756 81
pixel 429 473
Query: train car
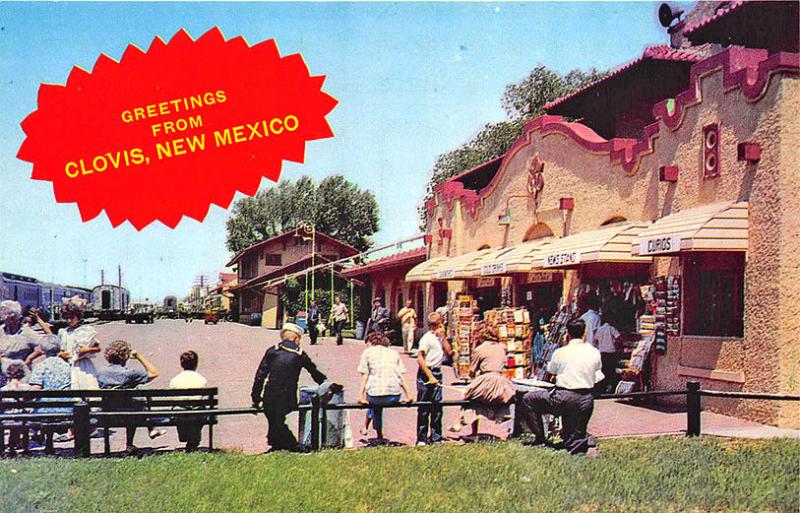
pixel 109 302
pixel 23 289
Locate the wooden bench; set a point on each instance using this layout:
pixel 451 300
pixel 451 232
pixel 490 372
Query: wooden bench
pixel 92 409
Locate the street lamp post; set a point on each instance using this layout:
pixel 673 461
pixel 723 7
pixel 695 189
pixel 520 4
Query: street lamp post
pixel 309 228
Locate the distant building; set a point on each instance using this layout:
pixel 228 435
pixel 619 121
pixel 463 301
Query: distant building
pixel 257 266
pixel 219 297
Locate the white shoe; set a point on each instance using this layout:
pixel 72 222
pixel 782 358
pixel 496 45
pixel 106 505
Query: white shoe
pixel 156 433
pixel 364 431
pixel 420 444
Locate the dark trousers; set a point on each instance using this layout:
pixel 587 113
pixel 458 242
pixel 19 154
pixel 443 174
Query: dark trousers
pixel 609 361
pixel 574 407
pixel 312 332
pixel 279 436
pixel 338 326
pixel 189 434
pixel 431 393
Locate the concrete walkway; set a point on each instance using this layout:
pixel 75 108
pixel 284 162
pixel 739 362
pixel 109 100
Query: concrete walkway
pixel 230 353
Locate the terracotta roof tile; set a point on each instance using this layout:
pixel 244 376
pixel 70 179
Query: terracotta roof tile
pixel 654 53
pixel 403 258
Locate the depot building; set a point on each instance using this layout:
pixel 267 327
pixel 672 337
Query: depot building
pixel 673 197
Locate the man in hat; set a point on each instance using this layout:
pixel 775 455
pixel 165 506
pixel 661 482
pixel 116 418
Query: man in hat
pixel 280 367
pixel 379 320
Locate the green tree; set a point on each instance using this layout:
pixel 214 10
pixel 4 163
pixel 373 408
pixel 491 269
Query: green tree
pixel 522 101
pixel 336 207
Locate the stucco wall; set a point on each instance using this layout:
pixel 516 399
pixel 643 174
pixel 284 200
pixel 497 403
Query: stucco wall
pixel 767 356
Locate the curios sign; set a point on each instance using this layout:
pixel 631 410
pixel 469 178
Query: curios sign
pixel 659 244
pixel 166 132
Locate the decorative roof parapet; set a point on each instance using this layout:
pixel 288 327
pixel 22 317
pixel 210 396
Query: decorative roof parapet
pixel 747 69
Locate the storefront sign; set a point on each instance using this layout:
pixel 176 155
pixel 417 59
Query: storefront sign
pixel 445 274
pixel 491 269
pixel 564 258
pixel 660 244
pixel 539 277
pixel 485 283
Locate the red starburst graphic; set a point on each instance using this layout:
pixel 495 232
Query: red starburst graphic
pixel 165 133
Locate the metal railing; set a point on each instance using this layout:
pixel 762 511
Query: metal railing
pixel 82 415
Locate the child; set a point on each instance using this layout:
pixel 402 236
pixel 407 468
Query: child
pixel 18 436
pixel 189 433
pixel 432 349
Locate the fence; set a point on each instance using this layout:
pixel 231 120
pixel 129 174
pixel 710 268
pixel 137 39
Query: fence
pixel 82 415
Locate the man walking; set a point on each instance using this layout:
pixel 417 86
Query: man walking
pixel 577 368
pixel 280 367
pixel 432 348
pixel 313 320
pixel 408 323
pixel 339 316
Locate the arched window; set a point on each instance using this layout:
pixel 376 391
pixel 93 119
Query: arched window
pixel 613 220
pixel 537 231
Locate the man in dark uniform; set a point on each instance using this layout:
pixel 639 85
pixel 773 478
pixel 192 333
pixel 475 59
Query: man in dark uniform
pixel 281 367
pixel 313 320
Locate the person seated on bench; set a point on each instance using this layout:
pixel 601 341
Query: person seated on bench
pixel 189 433
pixel 118 376
pixel 577 368
pixel 18 436
pixel 52 373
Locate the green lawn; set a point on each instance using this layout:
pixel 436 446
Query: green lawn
pixel 657 474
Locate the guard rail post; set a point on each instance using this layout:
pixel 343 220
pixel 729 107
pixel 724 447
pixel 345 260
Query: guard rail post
pixel 693 427
pixel 315 407
pixel 83 429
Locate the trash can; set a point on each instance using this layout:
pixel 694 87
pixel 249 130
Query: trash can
pixel 335 419
pixel 360 330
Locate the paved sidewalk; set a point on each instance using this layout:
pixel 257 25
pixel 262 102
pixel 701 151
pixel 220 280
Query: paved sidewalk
pixel 230 353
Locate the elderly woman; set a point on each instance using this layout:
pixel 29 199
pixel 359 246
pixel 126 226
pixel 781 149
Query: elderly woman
pixel 491 390
pixel 79 345
pixel 17 341
pixel 382 380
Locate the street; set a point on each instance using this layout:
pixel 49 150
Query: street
pixel 230 353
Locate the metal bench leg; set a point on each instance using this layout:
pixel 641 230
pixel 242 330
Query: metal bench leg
pixel 106 441
pixel 211 437
pixel 48 442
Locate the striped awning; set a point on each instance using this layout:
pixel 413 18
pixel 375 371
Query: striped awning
pixel 611 244
pixel 520 258
pixel 715 227
pixel 427 270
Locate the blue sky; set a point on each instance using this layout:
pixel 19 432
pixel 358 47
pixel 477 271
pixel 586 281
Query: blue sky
pixel 413 80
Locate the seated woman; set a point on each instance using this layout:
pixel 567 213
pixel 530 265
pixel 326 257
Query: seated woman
pixel 381 380
pixel 490 389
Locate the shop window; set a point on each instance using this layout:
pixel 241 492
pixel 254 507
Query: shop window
pixel 714 295
pixel 272 259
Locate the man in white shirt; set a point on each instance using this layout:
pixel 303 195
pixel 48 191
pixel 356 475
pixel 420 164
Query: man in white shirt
pixel 577 368
pixel 432 348
pixel 592 319
pixel 189 433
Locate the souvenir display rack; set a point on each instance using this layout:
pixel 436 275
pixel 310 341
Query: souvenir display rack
pixel 514 333
pixel 466 332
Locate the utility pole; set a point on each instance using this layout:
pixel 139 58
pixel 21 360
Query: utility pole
pixel 102 277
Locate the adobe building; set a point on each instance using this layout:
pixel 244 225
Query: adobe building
pixel 678 169
pixel 258 266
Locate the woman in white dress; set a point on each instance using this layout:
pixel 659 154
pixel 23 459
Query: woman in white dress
pixel 79 345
